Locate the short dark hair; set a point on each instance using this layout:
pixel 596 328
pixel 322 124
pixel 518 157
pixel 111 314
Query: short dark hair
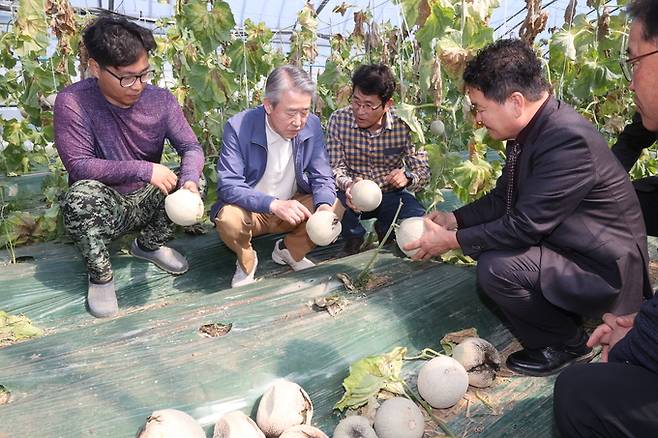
pixel 505 67
pixel 374 79
pixel 645 11
pixel 117 42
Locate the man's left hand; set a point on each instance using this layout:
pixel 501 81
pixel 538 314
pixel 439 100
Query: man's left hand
pixel 396 179
pixel 435 241
pixel 613 329
pixel 191 186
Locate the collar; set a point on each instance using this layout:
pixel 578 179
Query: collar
pixel 269 131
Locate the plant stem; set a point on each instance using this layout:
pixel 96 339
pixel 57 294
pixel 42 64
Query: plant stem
pixel 363 275
pixel 425 354
pixel 10 244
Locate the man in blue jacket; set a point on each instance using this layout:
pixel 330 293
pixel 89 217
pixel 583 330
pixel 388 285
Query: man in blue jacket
pixel 618 397
pixel 273 172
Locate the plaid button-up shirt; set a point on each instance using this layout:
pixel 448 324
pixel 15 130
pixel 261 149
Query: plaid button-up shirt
pixel 356 152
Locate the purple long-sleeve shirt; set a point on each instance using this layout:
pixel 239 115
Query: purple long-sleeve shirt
pixel 118 146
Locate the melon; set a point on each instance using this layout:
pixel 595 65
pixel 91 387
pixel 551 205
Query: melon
pixel 285 404
pixel 170 423
pixel 399 417
pixel 323 227
pixel 366 195
pixel 409 230
pixel 480 359
pixel 184 207
pixel 236 425
pixel 442 382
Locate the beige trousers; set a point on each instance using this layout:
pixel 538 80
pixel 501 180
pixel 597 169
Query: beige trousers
pixel 236 227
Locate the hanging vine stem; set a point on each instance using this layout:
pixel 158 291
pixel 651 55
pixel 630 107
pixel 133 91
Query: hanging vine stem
pixel 10 243
pixel 403 22
pixel 245 76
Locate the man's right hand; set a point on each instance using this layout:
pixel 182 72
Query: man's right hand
pixel 163 178
pixel 291 211
pixel 348 193
pixel 613 329
pixel 446 219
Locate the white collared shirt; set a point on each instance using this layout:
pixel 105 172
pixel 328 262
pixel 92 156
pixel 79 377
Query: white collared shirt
pixel 279 177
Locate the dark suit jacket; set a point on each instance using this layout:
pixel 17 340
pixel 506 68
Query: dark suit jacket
pixel 575 201
pixel 630 143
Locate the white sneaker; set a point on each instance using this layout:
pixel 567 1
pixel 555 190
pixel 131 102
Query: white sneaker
pixel 241 278
pixel 283 257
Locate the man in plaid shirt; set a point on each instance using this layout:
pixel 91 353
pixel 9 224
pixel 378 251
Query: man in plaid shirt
pixel 367 140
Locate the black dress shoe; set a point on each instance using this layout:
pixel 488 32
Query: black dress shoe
pixel 548 360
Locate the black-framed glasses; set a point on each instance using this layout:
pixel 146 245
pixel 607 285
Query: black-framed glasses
pixel 358 105
pixel 628 65
pixel 129 81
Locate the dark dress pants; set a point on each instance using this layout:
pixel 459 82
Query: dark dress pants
pixel 648 196
pixel 511 279
pixel 384 213
pixel 613 400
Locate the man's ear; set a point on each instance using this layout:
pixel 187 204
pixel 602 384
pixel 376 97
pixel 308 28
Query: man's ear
pixel 389 104
pixel 518 102
pixel 93 68
pixel 268 105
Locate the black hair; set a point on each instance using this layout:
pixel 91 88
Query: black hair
pixel 374 79
pixel 505 67
pixel 117 42
pixel 645 11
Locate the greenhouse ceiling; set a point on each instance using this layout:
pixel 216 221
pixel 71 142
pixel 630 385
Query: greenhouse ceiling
pixel 334 16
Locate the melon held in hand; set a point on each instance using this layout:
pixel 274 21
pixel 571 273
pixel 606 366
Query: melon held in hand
pixel 184 207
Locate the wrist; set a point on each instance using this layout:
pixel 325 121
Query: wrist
pixel 410 177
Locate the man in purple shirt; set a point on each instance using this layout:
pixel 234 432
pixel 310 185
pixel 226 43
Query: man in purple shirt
pixel 109 132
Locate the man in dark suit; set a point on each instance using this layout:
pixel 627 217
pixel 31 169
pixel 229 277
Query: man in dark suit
pixel 628 148
pixel 617 397
pixel 561 235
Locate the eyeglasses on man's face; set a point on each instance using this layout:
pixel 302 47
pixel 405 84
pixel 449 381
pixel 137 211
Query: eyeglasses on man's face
pixel 129 81
pixel 357 105
pixel 628 65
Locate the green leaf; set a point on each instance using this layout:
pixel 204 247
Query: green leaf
pixel 408 115
pixel 210 27
pixel 438 22
pixel 562 45
pixel 370 375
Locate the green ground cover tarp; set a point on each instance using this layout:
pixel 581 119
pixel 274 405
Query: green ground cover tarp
pixel 89 377
pixel 101 378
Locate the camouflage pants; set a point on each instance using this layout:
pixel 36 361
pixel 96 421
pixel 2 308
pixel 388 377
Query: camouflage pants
pixel 95 214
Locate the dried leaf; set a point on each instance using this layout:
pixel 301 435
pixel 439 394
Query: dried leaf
pixel 570 11
pixel 534 23
pixel 436 82
pixel 451 339
pixel 342 8
pixel 347 281
pixel 603 25
pixel 215 329
pixel 5 395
